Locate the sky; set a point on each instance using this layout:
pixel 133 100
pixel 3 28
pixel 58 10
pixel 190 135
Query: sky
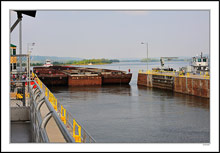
pixel 114 34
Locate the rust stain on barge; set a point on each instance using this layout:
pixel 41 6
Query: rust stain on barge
pixel 80 76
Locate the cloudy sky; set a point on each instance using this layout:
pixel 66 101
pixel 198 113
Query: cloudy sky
pixel 114 34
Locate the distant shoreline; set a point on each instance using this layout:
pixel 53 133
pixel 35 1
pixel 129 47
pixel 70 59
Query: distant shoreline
pixel 41 64
pixel 87 64
pixel 71 64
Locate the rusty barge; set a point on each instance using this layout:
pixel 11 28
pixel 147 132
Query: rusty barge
pixel 81 76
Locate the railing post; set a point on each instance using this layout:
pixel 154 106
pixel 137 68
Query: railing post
pixel 77 137
pixel 63 114
pixel 23 91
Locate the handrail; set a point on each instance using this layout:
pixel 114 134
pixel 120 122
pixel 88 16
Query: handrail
pixel 53 114
pixel 173 74
pixel 65 117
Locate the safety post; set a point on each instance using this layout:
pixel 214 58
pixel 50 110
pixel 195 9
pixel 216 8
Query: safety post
pixel 41 84
pixel 180 74
pixel 55 103
pixel 187 74
pixel 206 75
pixel 32 74
pixel 148 71
pixel 63 114
pixel 50 97
pixel 46 91
pixel 76 137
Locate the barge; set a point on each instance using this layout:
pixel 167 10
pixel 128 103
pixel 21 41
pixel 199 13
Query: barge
pixel 50 76
pixel 81 76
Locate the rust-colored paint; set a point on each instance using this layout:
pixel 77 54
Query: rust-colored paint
pixel 191 86
pixel 116 79
pixel 142 79
pixel 84 80
pixel 95 77
pixel 184 88
pixel 54 80
pixel 208 84
pixel 177 84
pixel 204 88
pixel 196 87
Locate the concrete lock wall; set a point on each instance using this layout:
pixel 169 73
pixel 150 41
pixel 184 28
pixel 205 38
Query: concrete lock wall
pixel 192 86
pixel 145 79
pixel 186 85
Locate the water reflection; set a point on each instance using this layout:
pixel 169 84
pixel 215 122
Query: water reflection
pixel 179 98
pixel 193 101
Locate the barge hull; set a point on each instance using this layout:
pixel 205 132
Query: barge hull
pixel 80 76
pixel 84 81
pixel 116 79
pixel 54 80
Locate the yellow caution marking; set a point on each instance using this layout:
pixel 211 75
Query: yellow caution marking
pixel 63 114
pixel 77 137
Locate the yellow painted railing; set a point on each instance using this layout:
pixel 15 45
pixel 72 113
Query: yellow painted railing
pixel 206 75
pixel 77 137
pixel 168 73
pixel 54 103
pixel 156 72
pixel 63 113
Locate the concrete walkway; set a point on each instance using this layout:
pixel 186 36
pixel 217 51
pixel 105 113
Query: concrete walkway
pixel 20 132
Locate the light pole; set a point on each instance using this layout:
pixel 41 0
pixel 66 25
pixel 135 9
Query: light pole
pixel 29 61
pixel 147 52
pixel 32 44
pixel 20 48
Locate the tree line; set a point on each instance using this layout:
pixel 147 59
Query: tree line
pixel 82 62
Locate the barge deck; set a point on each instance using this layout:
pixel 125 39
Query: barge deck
pixel 81 76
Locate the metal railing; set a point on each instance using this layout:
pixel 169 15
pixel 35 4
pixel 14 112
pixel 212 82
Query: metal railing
pixel 75 129
pixel 173 73
pixel 39 121
pixel 20 66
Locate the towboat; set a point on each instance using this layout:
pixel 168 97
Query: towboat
pixel 197 65
pixel 48 63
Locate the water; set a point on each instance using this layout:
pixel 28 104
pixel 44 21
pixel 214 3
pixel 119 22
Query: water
pixel 137 114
